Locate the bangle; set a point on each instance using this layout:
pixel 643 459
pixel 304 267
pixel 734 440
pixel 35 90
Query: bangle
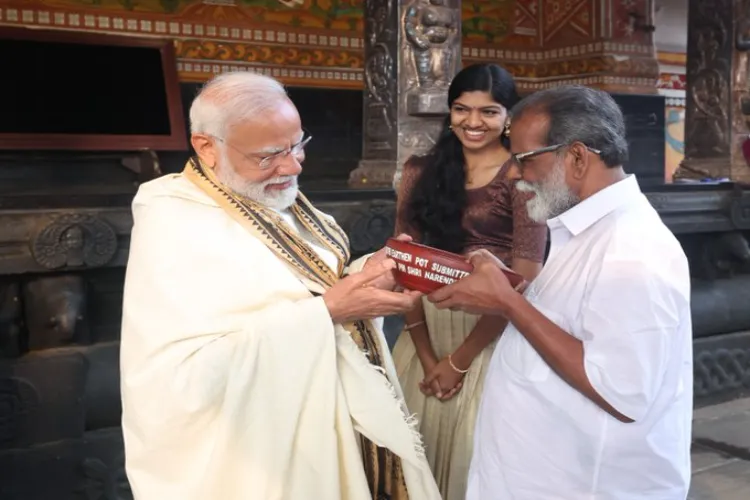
pixel 450 362
pixel 409 327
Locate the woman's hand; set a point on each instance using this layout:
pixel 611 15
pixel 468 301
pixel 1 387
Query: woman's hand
pixel 443 381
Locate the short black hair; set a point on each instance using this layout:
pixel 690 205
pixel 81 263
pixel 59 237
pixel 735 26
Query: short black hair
pixel 578 113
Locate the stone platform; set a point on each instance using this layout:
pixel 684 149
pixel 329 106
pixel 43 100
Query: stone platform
pixel 721 452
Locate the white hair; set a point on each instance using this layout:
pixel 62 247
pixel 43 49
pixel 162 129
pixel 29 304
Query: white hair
pixel 233 97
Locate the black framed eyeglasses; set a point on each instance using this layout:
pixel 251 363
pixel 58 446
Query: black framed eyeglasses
pixel 519 158
pixel 269 161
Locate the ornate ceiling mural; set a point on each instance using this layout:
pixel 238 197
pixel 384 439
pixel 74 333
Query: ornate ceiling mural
pixel 319 42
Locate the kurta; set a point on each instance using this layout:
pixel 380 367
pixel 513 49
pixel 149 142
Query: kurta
pixel 236 384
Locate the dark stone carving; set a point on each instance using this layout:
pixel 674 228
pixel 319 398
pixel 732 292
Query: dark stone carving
pixel 709 73
pixel 718 95
pixel 75 240
pixel 41 398
pixel 412 51
pixel 370 229
pixel 56 311
pixel 380 77
pixel 721 366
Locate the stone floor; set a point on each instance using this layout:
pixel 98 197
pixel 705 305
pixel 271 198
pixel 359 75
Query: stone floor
pixel 721 452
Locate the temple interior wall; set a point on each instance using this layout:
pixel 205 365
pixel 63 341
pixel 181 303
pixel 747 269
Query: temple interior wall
pixel 316 48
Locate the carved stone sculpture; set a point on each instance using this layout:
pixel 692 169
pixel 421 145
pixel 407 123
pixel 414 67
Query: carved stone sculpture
pixel 75 240
pixel 412 51
pixel 371 228
pixel 55 311
pixel 430 27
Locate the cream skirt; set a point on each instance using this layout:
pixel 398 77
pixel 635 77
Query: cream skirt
pixel 447 427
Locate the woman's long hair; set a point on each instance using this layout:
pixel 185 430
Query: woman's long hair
pixel 436 204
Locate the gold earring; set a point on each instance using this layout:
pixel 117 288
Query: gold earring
pixel 506 132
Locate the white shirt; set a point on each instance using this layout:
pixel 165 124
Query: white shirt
pixel 617 279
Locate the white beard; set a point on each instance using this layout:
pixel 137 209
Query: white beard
pixel 256 191
pixel 553 196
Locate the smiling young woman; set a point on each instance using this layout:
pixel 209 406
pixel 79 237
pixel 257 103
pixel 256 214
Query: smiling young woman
pixel 461 197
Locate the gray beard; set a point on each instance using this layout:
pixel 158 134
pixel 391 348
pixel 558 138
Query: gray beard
pixel 552 196
pixel 256 191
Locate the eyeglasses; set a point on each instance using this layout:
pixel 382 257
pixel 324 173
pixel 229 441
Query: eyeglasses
pixel 270 161
pixel 519 158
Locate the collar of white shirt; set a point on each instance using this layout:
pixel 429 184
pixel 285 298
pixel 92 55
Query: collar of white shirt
pixel 586 213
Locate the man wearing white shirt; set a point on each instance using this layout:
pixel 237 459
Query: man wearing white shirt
pixel 589 393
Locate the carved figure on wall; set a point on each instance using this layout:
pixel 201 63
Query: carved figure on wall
pixel 55 311
pixel 708 133
pixel 430 26
pixel 75 240
pixel 379 73
pixel 370 229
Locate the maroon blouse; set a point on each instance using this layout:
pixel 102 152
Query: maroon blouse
pixel 495 217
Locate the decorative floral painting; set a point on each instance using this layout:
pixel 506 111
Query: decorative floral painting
pixel 483 20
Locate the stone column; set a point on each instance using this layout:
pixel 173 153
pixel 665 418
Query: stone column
pixel 718 97
pixel 412 51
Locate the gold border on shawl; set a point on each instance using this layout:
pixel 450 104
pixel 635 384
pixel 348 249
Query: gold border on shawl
pixel 267 227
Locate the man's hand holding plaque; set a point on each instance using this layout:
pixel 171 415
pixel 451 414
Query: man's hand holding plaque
pixel 486 290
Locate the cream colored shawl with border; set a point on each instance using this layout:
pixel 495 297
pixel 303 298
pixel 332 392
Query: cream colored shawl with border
pixel 235 382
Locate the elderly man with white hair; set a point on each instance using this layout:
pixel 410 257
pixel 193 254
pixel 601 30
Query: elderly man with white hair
pixel 253 365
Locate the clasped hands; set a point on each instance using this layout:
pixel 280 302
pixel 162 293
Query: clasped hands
pixel 370 293
pixel 486 291
pixel 441 380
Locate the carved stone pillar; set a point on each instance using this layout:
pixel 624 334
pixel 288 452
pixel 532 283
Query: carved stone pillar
pixel 718 97
pixel 412 51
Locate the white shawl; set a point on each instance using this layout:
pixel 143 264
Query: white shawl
pixel 235 382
